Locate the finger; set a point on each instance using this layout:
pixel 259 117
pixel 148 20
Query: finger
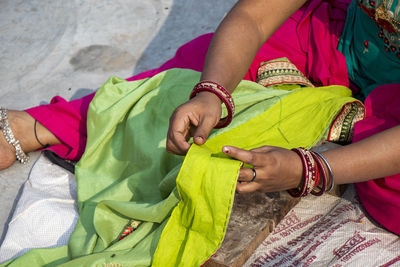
pixel 173 148
pixel 246 156
pixel 246 175
pixel 177 144
pixel 247 187
pixel 203 129
pixel 264 149
pixel 177 135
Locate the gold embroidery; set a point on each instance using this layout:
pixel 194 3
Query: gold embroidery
pixel 382 13
pixel 387 19
pixel 280 71
pixel 342 127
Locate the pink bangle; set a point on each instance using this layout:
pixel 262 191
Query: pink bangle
pixel 323 175
pixel 313 172
pixel 310 172
pixel 222 93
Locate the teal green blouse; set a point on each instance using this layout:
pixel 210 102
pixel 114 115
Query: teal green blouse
pixel 371 43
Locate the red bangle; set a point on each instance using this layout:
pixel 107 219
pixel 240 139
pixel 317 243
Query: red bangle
pixel 323 175
pixel 222 93
pixel 317 177
pixel 309 173
pixel 313 173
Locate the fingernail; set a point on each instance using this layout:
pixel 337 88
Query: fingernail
pixel 225 150
pixel 199 138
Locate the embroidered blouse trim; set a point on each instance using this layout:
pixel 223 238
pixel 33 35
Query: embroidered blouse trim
pixel 280 71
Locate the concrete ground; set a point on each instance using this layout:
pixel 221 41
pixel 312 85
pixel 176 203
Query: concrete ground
pixel 69 48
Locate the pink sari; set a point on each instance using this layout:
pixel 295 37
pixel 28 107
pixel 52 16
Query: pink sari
pixel 381 197
pixel 308 39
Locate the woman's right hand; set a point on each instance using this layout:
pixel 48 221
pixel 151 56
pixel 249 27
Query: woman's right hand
pixel 195 118
pixel 233 47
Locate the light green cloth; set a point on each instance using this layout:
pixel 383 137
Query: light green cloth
pixel 125 172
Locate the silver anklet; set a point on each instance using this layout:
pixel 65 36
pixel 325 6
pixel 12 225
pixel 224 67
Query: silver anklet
pixel 9 136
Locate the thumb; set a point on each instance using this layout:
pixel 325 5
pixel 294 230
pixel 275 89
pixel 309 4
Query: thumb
pixel 203 130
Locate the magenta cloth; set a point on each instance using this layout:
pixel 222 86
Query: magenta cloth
pixel 308 38
pixel 381 197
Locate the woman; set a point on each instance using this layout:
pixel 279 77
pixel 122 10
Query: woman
pixel 370 43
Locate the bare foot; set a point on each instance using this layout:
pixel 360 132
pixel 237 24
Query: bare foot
pixel 22 125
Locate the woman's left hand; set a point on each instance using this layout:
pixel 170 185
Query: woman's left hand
pixel 275 169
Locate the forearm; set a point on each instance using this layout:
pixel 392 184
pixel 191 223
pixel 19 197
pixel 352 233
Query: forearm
pixel 240 35
pixel 371 158
pixel 234 45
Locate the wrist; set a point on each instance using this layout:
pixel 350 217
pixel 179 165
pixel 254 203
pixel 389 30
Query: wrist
pixel 209 97
pixel 313 173
pixel 222 94
pixel 328 170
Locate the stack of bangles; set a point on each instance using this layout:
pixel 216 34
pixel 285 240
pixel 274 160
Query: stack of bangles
pixel 222 93
pixel 313 168
pixel 316 180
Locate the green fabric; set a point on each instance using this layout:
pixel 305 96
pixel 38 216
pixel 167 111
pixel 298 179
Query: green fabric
pixel 370 61
pixel 184 206
pixel 299 119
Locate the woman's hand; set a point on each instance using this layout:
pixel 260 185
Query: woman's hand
pixel 233 47
pixel 196 118
pixel 276 169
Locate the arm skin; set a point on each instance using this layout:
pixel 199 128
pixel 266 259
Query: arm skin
pixel 281 169
pixel 240 35
pixel 237 40
pixel 233 47
pixel 370 158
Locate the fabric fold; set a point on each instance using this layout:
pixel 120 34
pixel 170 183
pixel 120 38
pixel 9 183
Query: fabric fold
pixel 126 174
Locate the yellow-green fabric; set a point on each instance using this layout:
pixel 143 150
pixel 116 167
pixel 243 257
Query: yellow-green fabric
pixel 198 223
pixel 183 203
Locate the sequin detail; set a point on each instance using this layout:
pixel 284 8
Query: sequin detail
pixel 342 127
pixel 280 71
pixel 387 17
